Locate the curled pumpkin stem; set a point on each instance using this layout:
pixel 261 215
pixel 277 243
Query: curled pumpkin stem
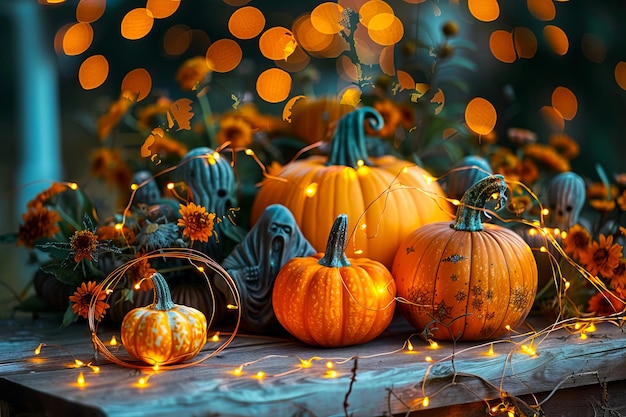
pixel 335 256
pixel 348 145
pixel 475 199
pixel 162 296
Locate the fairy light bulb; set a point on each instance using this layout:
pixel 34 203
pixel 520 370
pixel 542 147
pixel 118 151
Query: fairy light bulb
pixel 249 152
pixel 80 380
pixel 428 359
pixel 260 375
pixel 409 346
pixel 305 363
pixel 330 365
pixel 490 351
pixel 134 187
pixel 155 368
pixel 238 371
pixel 426 401
pixel 142 382
pixel 360 163
pixel 433 344
pixel 232 307
pixel 545 211
pixel 455 202
pixel 78 363
pixel 310 190
pixel 38 349
pixel 170 186
pixel 331 373
pixel 73 186
pixel 215 337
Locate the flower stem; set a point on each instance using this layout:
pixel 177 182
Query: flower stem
pixel 207 117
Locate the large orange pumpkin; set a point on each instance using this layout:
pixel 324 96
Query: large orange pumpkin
pixel 466 280
pixel 329 300
pixel 163 332
pixel 392 196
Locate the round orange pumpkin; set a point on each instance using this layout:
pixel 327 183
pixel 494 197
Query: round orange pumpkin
pixel 466 280
pixel 385 198
pixel 163 333
pixel 331 301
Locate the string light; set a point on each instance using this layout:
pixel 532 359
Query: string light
pixel 490 351
pixel 38 348
pixel 113 341
pixel 80 380
pixel 215 337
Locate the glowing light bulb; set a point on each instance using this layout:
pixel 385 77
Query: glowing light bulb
pixel 38 349
pixel 216 337
pixel 409 346
pixel 232 307
pixel 583 336
pixel 455 202
pixel 260 375
pixel 363 226
pixel 545 211
pixel 591 328
pixel 78 363
pixel 543 249
pixel 142 381
pixel 137 286
pixel 567 285
pixel 405 170
pixel 73 186
pixel 331 374
pixel 532 232
pixel 238 371
pixel 80 380
pixel 133 187
pixel 170 186
pixel 119 226
pixel 330 365
pixel 426 401
pixel 433 344
pixel 360 163
pixel 311 189
pixel 508 328
pixel 249 152
pixel 490 351
pixel 428 359
pixel 200 268
pixel 216 155
pixel 155 368
pixel 94 368
pixel 305 363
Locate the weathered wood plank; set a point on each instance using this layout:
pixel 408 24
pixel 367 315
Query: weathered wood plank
pixel 388 380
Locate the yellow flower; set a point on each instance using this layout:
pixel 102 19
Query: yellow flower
pixel 192 73
pixel 38 223
pixel 602 256
pixel 235 130
pixel 197 223
pixel 564 145
pixel 84 296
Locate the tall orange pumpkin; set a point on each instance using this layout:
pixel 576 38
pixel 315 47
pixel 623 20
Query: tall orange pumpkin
pixel 385 198
pixel 330 300
pixel 466 280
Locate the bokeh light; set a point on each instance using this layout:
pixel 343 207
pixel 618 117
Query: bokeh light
pixel 246 22
pixel 77 39
pixel 480 116
pixel 89 11
pixel 224 55
pixel 93 72
pixel 137 23
pixel 273 85
pixel 138 82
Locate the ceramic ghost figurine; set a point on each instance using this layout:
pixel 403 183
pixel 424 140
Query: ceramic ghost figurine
pixel 255 262
pixel 566 197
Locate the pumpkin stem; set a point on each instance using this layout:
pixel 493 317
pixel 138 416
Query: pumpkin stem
pixel 348 147
pixel 474 200
pixel 162 296
pixel 335 256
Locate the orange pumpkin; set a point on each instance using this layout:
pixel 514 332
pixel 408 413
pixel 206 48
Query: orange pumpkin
pixel 332 301
pixel 163 332
pixel 385 198
pixel 466 280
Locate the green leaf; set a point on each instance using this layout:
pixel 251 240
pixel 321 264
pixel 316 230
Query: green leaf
pixel 69 317
pixel 63 272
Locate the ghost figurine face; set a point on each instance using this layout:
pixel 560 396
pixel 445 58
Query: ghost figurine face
pixel 566 197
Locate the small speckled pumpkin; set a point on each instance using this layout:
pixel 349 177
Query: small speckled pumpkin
pixel 466 280
pixel 163 333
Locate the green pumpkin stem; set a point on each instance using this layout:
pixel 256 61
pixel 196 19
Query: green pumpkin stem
pixel 162 296
pixel 335 256
pixel 348 147
pixel 468 214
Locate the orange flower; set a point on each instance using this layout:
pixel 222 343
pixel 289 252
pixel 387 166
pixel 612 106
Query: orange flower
pixel 547 156
pixel 197 223
pixel 618 280
pixel 108 165
pixel 621 200
pixel 123 236
pixel 520 136
pixel 149 117
pixel 602 205
pixel 112 118
pixel 528 171
pixel 38 223
pixel 83 298
pixel 139 271
pixel 44 196
pixel 577 241
pixel 192 73
pixel 599 191
pixel 605 304
pixel 236 130
pixel 602 256
pixel 392 116
pixel 564 145
pixel 84 245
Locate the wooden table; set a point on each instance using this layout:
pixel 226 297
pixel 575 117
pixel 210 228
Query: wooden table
pixel 568 375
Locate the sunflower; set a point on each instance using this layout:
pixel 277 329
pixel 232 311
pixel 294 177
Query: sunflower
pixel 84 296
pixel 602 256
pixel 236 130
pixel 197 223
pixel 38 223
